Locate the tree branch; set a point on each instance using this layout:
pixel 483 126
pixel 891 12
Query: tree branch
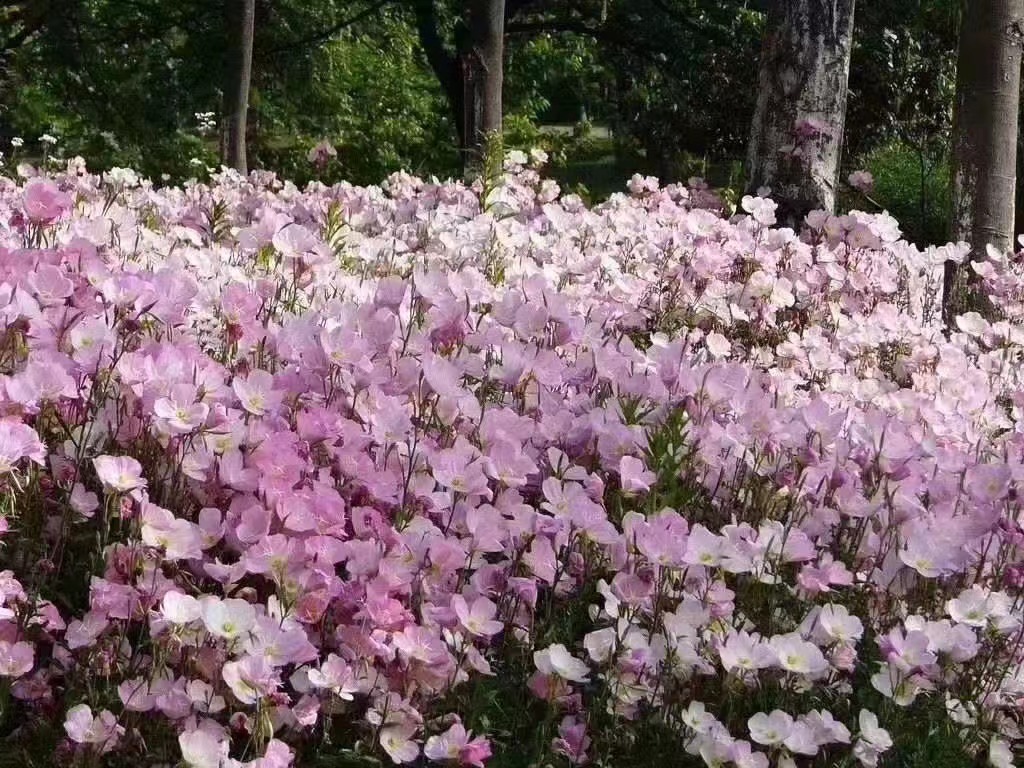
pixel 441 60
pixel 602 33
pixel 325 35
pixel 677 17
pixel 513 7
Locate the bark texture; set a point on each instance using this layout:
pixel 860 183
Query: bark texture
pixel 469 67
pixel 241 19
pixel 482 64
pixel 984 141
pixel 797 133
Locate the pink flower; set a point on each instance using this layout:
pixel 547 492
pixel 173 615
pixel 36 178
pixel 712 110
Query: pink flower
pixel 84 502
pixel 862 181
pixel 398 742
pixel 16 659
pixel 101 731
pixel 256 392
pixel 635 477
pixel 336 676
pixel 276 755
pixel 250 679
pixel 455 746
pixel 295 241
pixel 203 748
pixel 83 632
pixel 461 470
pixel 180 539
pixel 322 153
pixel 19 441
pixel 181 415
pixel 44 202
pixel 119 473
pixel 572 740
pixel 477 619
pixel 741 651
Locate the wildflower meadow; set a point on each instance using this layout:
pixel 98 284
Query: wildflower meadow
pixel 429 473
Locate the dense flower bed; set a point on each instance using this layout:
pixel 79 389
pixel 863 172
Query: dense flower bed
pixel 393 474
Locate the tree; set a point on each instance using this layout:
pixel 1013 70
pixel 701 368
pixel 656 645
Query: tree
pixel 482 67
pixel 469 68
pixel 241 18
pixel 984 139
pixel 797 132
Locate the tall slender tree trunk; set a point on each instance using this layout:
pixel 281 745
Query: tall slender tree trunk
pixel 797 133
pixel 482 64
pixel 984 141
pixel 241 17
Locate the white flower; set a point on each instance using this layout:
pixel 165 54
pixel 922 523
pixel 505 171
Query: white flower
pixel 770 729
pixel 797 655
pixel 762 209
pixel 227 618
pixel 17 141
pixel 970 608
pixel 958 712
pixel 600 643
pixel 698 718
pixel 516 157
pixel 556 660
pixel 179 608
pixel 121 177
pixel 717 344
pixel 839 625
pixel 890 683
pixel 872 733
pixel 46 138
pixel 999 753
pixel 202 749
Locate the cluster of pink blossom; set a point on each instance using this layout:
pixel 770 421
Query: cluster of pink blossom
pixel 289 471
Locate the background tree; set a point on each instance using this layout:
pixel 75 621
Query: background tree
pixel 797 132
pixel 483 67
pixel 984 137
pixel 241 19
pixel 665 84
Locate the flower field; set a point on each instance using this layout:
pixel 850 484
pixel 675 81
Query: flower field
pixel 429 474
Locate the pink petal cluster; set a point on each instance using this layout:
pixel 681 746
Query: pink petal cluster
pixel 276 463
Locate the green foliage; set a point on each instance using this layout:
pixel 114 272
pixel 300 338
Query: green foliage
pixel 685 84
pixel 554 79
pixel 913 186
pixel 119 84
pixel 902 74
pixel 371 93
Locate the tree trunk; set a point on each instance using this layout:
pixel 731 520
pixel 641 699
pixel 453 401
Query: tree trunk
pixel 482 76
pixel 797 133
pixel 241 16
pixel 984 141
